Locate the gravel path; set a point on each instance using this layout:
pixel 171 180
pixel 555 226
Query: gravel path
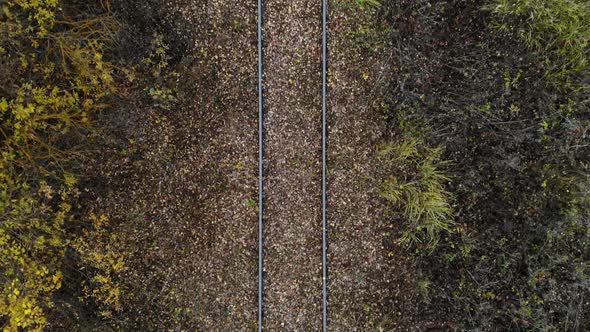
pixel 357 263
pixel 186 204
pixel 220 279
pixel 293 165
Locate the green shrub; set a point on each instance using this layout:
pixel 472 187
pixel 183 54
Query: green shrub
pixel 104 263
pixel 368 3
pixel 416 184
pixel 364 29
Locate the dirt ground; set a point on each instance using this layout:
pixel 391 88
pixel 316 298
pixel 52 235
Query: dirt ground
pixel 366 283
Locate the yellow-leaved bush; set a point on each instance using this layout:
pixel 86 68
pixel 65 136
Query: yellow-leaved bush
pixel 107 262
pixel 53 79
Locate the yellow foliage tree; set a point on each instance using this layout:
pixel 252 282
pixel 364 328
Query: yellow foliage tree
pixel 53 78
pixel 107 261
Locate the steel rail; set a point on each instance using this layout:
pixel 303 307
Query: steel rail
pixel 260 170
pixel 324 168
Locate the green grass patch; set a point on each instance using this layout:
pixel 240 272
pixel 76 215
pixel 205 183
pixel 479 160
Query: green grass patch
pixel 416 185
pixel 557 30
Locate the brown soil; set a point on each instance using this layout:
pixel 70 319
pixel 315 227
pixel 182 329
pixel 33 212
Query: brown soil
pixel 366 282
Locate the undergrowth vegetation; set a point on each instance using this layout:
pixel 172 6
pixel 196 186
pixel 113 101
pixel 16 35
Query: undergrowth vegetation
pixel 364 33
pixel 500 88
pixel 557 30
pixel 132 257
pixel 53 79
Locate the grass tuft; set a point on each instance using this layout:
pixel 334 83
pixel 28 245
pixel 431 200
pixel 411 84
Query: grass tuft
pixel 417 186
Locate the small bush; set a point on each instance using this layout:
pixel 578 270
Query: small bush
pixel 105 263
pixel 364 29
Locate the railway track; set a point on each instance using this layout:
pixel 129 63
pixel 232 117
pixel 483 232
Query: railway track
pixel 261 167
